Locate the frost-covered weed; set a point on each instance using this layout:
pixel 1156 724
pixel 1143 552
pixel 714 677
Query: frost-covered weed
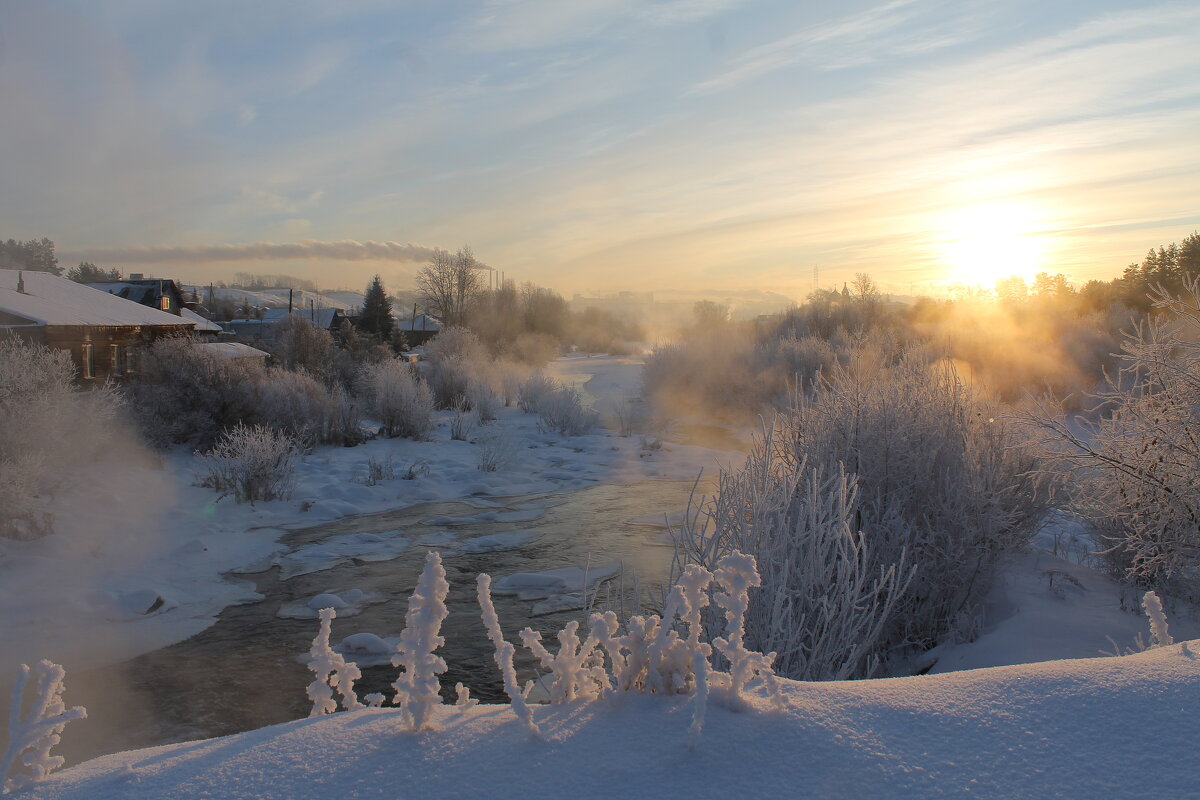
pixel 497 448
pixel 32 735
pixel 379 471
pixel 252 463
pixel 651 656
pixel 332 672
pixel 417 686
pixel 503 653
pixel 1159 637
pixel 463 422
pixel 398 398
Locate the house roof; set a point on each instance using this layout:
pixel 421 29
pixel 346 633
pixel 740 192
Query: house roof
pixel 232 350
pixel 421 322
pixel 51 300
pixel 321 317
pixel 202 324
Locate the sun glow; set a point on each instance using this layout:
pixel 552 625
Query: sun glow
pixel 981 244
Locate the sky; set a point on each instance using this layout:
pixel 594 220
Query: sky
pixel 600 145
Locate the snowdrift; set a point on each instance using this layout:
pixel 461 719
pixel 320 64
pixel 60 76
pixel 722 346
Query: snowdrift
pixel 1104 727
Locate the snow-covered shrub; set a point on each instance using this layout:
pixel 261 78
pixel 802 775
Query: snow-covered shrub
pixel 944 483
pixel 252 463
pixel 825 601
pixel 299 345
pixel 497 448
pixel 503 653
pixel 482 400
pixel 462 422
pixel 181 393
pixel 417 686
pixel 628 416
pixel 48 428
pixel 379 471
pixel 33 734
pixel 398 398
pixel 1132 473
pixel 1159 637
pixel 298 404
pixel 533 389
pixel 331 671
pixel 562 410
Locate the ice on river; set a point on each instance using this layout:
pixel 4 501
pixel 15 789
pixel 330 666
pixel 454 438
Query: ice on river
pixel 347 603
pixel 522 515
pixel 555 590
pixel 340 549
pixel 498 541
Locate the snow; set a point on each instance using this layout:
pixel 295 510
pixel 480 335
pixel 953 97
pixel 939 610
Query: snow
pixel 341 549
pixel 1105 727
pixel 51 300
pixel 232 350
pixel 346 602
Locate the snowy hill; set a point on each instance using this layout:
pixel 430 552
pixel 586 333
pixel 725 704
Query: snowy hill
pixel 278 298
pixel 1107 727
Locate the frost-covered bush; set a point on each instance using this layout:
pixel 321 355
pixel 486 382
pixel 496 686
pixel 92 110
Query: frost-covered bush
pixel 48 428
pixel 945 484
pixel 252 463
pixel 825 601
pixel 398 398
pixel 417 686
pixel 1132 473
pixel 301 406
pixel 181 393
pixel 32 734
pixel 562 410
pixel 482 400
pixel 299 345
pixel 533 389
pixel 332 672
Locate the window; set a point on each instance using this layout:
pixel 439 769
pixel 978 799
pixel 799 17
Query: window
pixel 164 302
pixel 89 363
pixel 115 351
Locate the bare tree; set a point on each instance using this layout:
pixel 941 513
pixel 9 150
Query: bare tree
pixel 448 284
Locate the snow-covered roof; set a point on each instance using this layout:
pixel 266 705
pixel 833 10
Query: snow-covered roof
pixel 202 324
pixel 321 317
pixel 421 322
pixel 51 300
pixel 231 350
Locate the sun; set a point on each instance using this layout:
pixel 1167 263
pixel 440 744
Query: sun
pixel 980 244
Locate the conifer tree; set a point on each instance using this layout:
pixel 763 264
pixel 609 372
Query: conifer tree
pixel 376 318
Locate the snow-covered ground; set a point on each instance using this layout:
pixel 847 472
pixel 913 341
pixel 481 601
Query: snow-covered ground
pixel 1107 727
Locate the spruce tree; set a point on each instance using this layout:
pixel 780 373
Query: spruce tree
pixel 376 317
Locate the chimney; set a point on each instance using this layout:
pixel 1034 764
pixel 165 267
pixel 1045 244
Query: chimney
pixel 20 282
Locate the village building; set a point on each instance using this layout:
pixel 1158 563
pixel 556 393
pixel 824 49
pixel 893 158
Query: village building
pixel 101 331
pixel 264 330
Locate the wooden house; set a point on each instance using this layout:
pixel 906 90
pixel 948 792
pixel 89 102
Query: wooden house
pixel 100 330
